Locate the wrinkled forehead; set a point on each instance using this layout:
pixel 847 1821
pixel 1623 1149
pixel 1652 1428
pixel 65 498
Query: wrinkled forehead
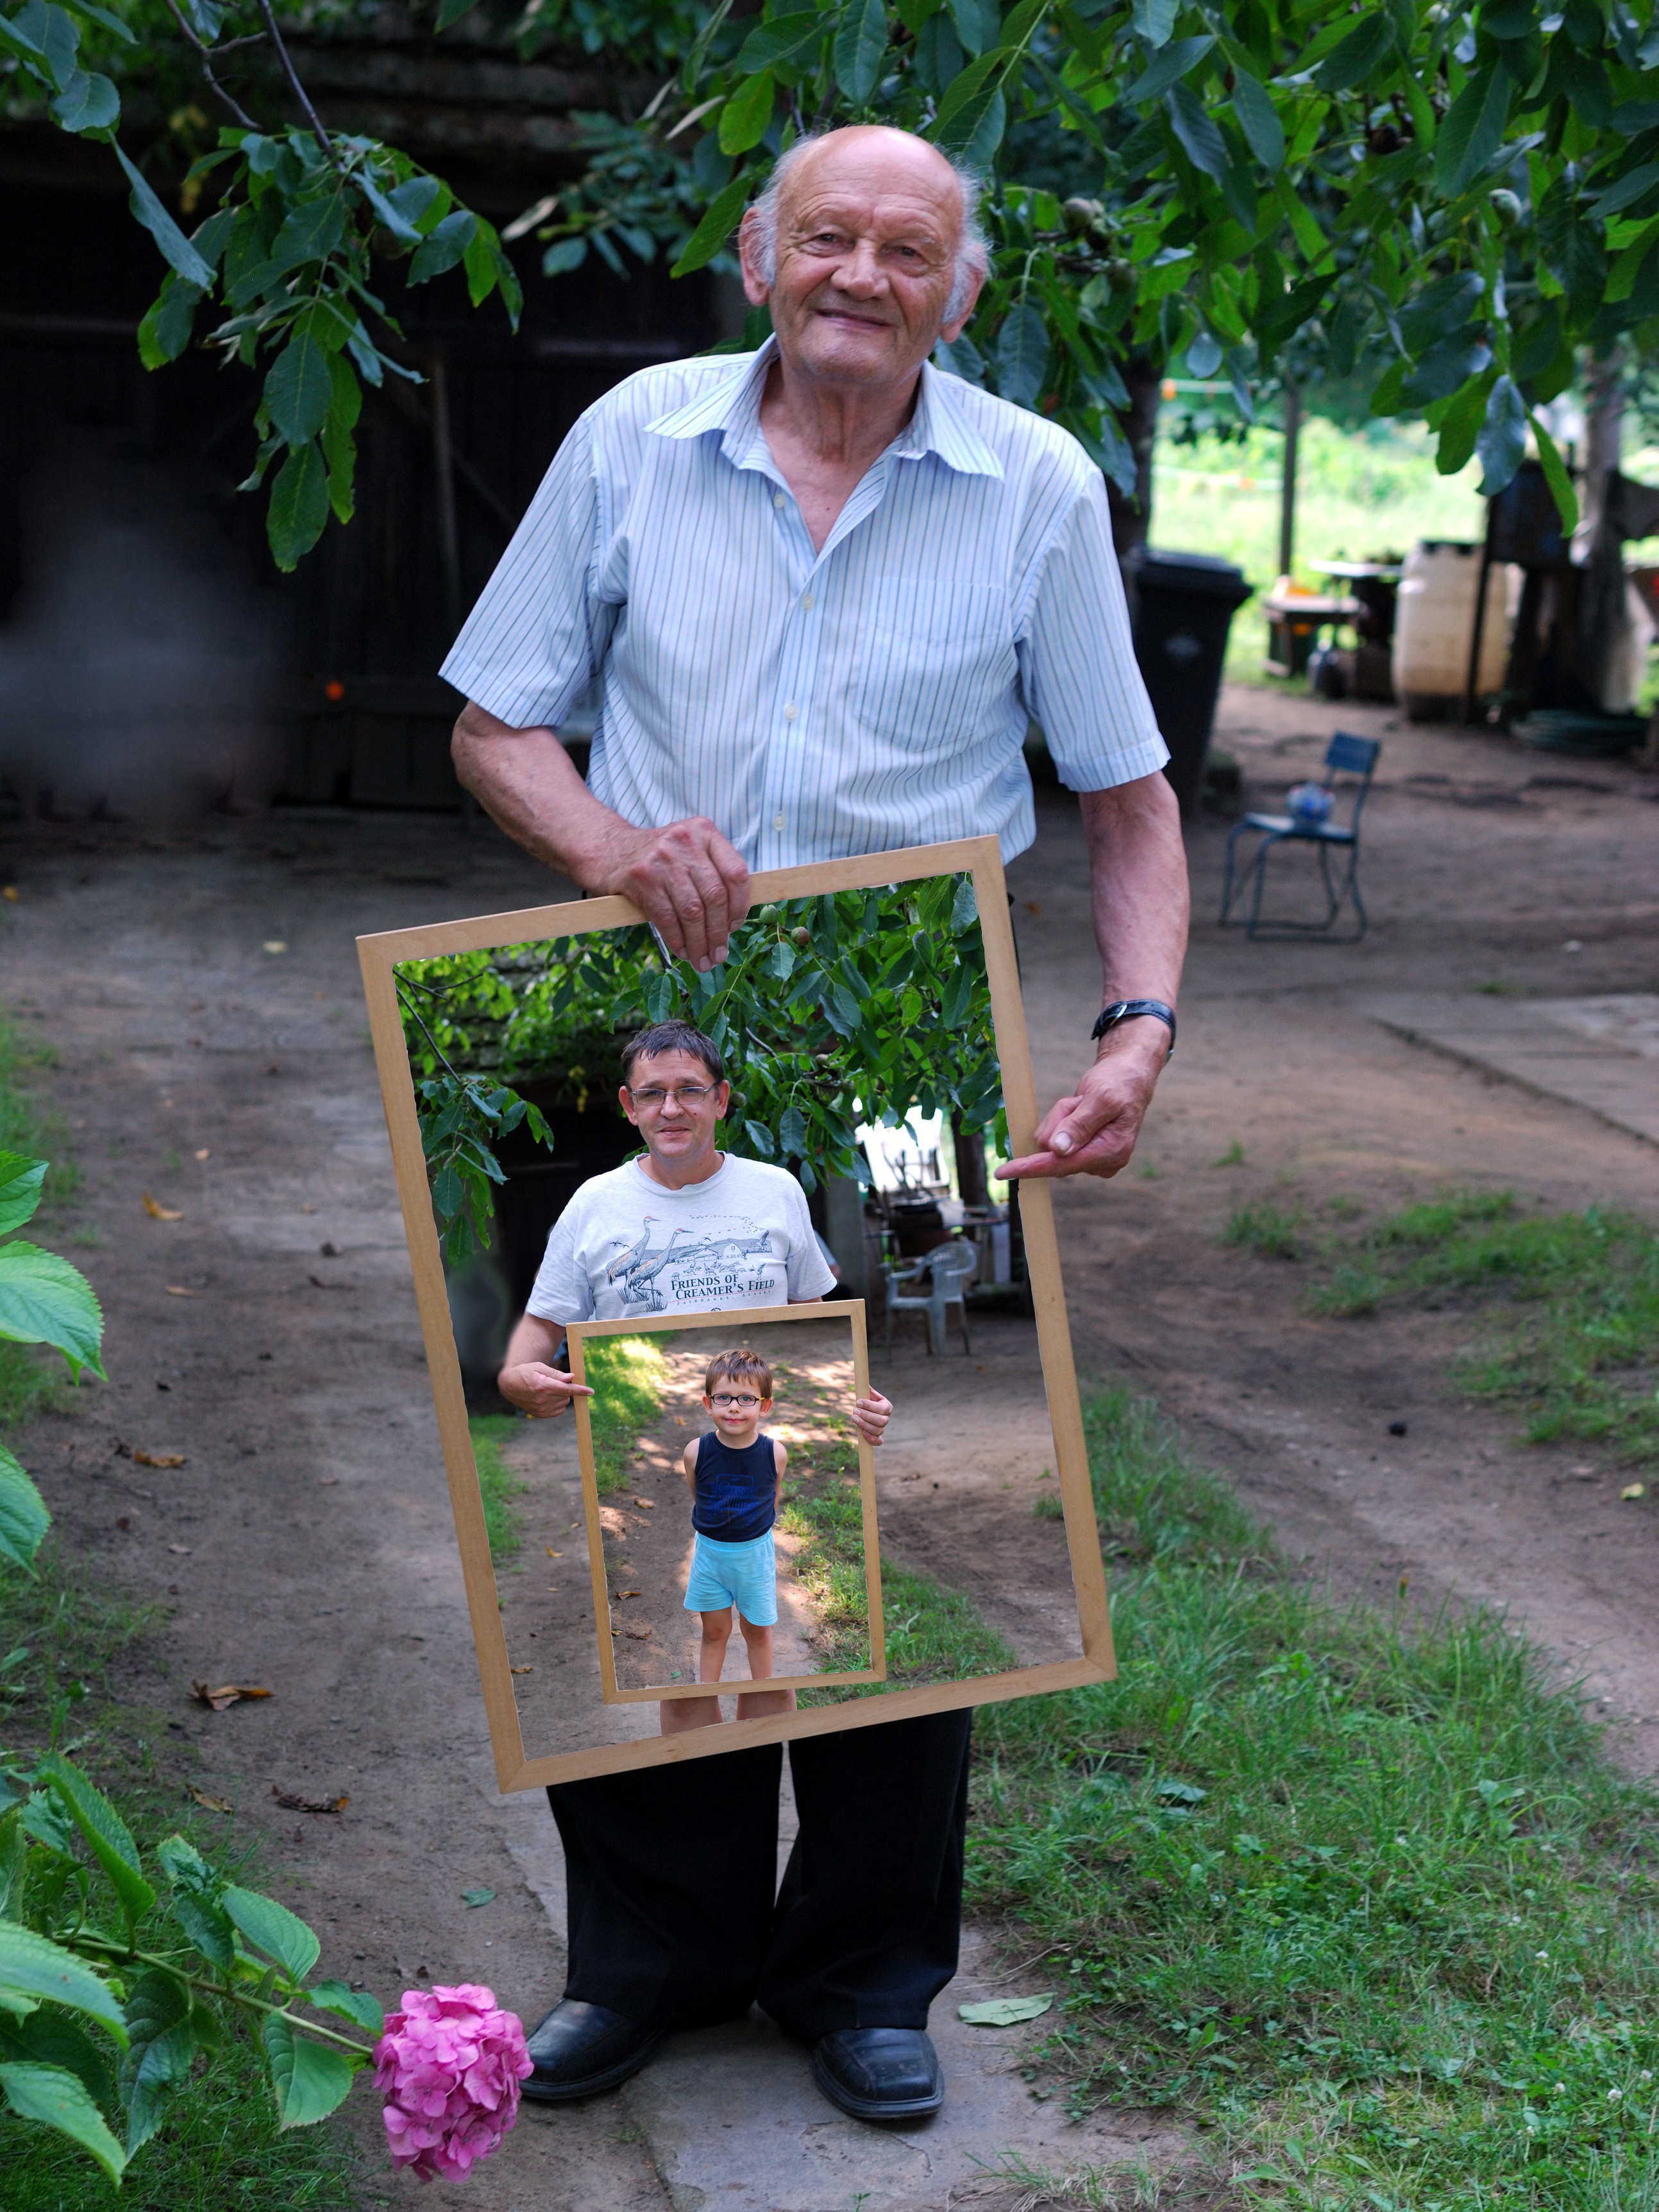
pixel 874 194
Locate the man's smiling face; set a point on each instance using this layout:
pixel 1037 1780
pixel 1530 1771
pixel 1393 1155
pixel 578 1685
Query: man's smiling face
pixel 868 235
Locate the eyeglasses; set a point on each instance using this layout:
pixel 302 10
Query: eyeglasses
pixel 654 1094
pixel 727 1398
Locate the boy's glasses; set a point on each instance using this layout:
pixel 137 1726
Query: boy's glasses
pixel 654 1094
pixel 730 1398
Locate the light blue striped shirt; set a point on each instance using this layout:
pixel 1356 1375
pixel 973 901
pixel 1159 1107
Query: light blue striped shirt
pixel 817 705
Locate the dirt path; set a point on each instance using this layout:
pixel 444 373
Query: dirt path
pixel 306 1544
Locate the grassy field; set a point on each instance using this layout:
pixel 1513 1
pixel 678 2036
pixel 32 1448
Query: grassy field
pixel 1366 1900
pixel 64 1637
pixel 1360 494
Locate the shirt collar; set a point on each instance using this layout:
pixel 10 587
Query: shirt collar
pixel 732 407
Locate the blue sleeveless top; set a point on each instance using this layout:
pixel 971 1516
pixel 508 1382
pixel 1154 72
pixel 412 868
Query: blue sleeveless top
pixel 736 1490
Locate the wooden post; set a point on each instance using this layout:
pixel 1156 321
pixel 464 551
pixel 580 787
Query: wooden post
pixel 1287 489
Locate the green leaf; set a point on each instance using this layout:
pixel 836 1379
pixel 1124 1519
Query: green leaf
pixel 1004 2012
pixel 272 1929
pixel 1358 55
pixel 777 42
pixel 443 247
pixel 176 248
pixel 1472 129
pixel 450 11
pixel 975 132
pixel 1630 188
pixel 717 225
pixel 1258 118
pixel 310 2080
pixel 1556 475
pixel 1173 63
pixel 1503 438
pixel 33 1967
pixel 391 218
pixel 59 2099
pixel 1456 358
pixel 744 118
pixel 162 2025
pixel 311 232
pixel 87 102
pixel 50 2038
pixel 44 1300
pixel 563 255
pixel 21 1179
pixel 791 1130
pixel 354 2005
pixel 113 24
pixel 300 389
pixel 861 43
pixel 299 506
pixel 977 22
pixel 105 1830
pixel 965 88
pixel 761 1138
pixel 1459 428
pixel 1155 19
pixel 1195 127
pixel 1022 356
pixel 964 907
pixel 166 329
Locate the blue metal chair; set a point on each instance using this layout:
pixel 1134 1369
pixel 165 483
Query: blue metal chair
pixel 1345 755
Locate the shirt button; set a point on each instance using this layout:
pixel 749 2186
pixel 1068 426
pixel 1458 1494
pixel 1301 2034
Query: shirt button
pixel 777 499
pixel 791 711
pixel 806 602
pixel 777 821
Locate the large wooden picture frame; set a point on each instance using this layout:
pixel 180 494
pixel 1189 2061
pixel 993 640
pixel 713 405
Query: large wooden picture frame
pixel 380 956
pixel 583 1332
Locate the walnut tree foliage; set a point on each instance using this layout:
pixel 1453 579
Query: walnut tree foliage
pixel 854 1007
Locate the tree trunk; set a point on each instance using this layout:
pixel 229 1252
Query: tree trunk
pixel 1603 616
pixel 1131 519
pixel 969 1145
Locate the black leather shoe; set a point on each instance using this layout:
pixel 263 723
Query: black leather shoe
pixel 879 2073
pixel 582 2050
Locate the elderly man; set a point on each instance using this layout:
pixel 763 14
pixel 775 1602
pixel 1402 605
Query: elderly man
pixel 825 586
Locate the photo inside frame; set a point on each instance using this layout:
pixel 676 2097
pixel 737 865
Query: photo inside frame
pixel 858 1031
pixel 816 1583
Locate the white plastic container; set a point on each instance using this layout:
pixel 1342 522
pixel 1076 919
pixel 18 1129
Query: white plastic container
pixel 1434 625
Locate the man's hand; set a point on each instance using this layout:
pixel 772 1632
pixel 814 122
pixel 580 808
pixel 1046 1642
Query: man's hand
pixel 871 1416
pixel 687 879
pixel 537 1389
pixel 1093 1131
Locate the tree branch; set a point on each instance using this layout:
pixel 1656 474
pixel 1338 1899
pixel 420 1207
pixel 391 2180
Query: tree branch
pixel 202 55
pixel 299 90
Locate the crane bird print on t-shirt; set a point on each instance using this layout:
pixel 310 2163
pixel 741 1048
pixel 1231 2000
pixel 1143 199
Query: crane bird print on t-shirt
pixel 701 1270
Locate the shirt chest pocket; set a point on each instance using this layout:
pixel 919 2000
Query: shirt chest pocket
pixel 937 661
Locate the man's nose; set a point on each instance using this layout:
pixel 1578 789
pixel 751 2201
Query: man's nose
pixel 861 271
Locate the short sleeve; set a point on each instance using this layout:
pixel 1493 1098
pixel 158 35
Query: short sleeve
pixel 810 1276
pixel 535 638
pixel 1082 686
pixel 562 1292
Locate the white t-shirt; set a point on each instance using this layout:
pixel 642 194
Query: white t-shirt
pixel 626 1245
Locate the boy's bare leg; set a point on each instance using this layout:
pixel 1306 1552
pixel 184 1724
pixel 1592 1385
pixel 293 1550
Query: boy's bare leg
pixel 679 1714
pixel 756 1705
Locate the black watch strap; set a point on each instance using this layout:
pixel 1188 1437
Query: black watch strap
pixel 1127 1010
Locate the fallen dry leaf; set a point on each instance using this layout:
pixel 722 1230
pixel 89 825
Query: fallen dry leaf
pixel 649 1504
pixel 639 1635
pixel 158 1212
pixel 328 1482
pixel 227 1694
pixel 291 1803
pixel 213 1804
pixel 627 1594
pixel 160 1459
pixel 178 1291
pixel 1634 1490
pixel 205 1154
pixel 521 1670
pixel 182 1550
pixel 322 1285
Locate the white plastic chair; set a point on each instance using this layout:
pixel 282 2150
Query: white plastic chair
pixel 950 1267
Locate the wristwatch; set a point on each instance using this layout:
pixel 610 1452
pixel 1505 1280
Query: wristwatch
pixel 1126 1009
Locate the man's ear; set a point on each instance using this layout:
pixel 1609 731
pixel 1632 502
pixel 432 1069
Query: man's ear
pixel 627 1104
pixel 952 330
pixel 756 289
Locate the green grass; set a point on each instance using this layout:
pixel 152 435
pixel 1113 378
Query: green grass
pixel 1359 493
pixel 628 1376
pixel 1265 1229
pixel 1295 1869
pixel 498 1484
pixel 1566 1308
pixel 30 1380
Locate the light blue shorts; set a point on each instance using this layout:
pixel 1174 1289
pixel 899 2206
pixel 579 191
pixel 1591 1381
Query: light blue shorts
pixel 743 1574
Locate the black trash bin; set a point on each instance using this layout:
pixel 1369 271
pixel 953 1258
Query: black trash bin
pixel 1184 604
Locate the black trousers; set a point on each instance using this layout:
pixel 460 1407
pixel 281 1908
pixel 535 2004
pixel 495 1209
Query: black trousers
pixel 674 1922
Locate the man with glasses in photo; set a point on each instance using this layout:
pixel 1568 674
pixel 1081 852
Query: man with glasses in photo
pixel 827 589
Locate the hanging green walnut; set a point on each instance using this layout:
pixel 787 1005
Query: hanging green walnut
pixel 1082 214
pixel 1506 205
pixel 767 914
pixel 801 936
pixel 1120 275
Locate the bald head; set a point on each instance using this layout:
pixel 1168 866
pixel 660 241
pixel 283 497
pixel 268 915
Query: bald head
pixel 874 161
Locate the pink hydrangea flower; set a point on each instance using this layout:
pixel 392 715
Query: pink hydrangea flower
pixel 449 2066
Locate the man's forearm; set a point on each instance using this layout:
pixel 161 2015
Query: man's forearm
pixel 527 782
pixel 1138 876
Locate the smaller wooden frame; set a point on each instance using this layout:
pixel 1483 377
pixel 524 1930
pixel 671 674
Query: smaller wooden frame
pixel 581 1333
pixel 380 956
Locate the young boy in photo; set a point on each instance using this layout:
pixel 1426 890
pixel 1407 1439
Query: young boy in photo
pixel 735 1474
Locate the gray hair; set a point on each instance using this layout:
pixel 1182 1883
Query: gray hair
pixel 973 251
